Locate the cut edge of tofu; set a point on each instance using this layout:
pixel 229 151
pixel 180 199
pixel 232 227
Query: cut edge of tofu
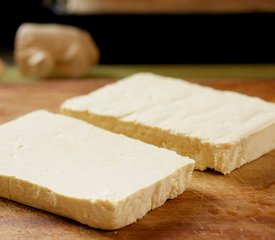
pixel 223 158
pixel 122 212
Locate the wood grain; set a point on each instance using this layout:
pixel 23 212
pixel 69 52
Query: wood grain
pixel 238 206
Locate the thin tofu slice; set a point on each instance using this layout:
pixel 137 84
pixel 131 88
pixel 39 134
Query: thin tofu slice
pixel 221 130
pixel 71 168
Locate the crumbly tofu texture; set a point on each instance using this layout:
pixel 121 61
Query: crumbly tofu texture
pixel 71 168
pixel 221 130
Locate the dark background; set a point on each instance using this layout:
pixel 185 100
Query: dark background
pixel 158 38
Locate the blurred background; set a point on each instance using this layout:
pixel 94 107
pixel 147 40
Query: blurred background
pixel 157 31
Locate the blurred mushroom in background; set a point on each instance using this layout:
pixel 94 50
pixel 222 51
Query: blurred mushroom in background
pixel 54 50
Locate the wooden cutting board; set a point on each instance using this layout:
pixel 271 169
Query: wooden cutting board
pixel 240 205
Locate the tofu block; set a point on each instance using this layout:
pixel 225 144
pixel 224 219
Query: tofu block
pixel 221 130
pixel 71 168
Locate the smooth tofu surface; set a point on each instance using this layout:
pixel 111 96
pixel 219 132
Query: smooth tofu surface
pixel 79 164
pixel 178 106
pixel 221 130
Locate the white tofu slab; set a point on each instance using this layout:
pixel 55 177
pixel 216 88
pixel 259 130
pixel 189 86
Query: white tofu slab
pixel 221 130
pixel 71 168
